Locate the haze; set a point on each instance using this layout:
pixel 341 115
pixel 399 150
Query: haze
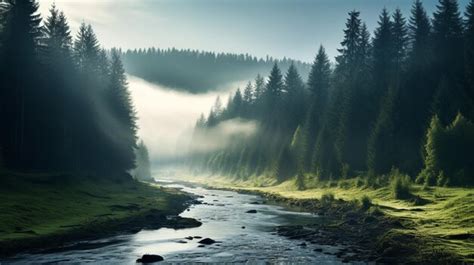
pixel 278 28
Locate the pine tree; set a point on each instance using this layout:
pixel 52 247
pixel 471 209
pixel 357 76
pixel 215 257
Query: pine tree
pixel 248 100
pixel 448 38
pixel 420 36
pixel 272 97
pixel 349 53
pixel 294 100
pixel 56 56
pixel 469 54
pixel 416 95
pixel 237 104
pixel 143 168
pixel 365 50
pixel 318 85
pixel 122 118
pixel 57 39
pixel 350 100
pixel 259 87
pixel 400 39
pixel 87 52
pixel 319 77
pixel 248 94
pixel 18 71
pixel 383 54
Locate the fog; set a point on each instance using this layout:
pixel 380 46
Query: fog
pixel 220 136
pixel 166 118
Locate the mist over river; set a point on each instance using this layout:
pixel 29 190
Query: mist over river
pixel 166 117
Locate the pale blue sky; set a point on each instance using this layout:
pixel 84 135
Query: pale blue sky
pixel 291 28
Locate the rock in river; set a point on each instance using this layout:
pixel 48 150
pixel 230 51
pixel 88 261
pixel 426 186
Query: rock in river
pixel 251 211
pixel 207 241
pixel 148 258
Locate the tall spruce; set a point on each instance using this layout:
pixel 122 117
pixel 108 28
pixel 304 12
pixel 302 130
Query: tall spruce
pixel 469 44
pixel 318 86
pixel 449 62
pixel 122 122
pixel 18 95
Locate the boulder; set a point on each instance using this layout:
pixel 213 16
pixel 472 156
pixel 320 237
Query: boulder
pixel 251 211
pixel 207 241
pixel 149 258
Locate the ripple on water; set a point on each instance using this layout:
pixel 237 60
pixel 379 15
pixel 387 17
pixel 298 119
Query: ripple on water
pixel 222 221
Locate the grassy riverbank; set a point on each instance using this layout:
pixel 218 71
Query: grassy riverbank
pixel 38 211
pixel 435 223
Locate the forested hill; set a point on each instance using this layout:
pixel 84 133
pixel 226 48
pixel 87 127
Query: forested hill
pixel 198 71
pixel 398 100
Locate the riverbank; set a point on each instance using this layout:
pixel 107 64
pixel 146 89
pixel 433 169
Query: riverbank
pixel 46 212
pixel 370 225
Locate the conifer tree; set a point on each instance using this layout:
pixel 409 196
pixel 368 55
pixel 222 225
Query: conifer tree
pixel 448 38
pixel 294 101
pixel 420 36
pixel 57 37
pixel 383 54
pixel 469 54
pixel 87 52
pixel 123 114
pixel 318 85
pixel 400 39
pixel 19 106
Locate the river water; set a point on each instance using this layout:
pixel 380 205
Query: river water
pixel 244 238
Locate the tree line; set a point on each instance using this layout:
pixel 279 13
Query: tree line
pixel 64 101
pixel 198 71
pixel 398 99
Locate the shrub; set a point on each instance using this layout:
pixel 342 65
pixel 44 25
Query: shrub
pixel 299 182
pixel 327 198
pixel 448 152
pixel 400 185
pixel 365 202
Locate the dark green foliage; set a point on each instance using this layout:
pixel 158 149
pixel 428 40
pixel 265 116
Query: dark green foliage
pixel 143 168
pixel 448 39
pixel 469 53
pixel 400 185
pixel 372 113
pixel 448 153
pixel 185 69
pixel 327 199
pixel 64 107
pixel 365 202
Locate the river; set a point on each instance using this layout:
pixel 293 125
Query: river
pixel 244 238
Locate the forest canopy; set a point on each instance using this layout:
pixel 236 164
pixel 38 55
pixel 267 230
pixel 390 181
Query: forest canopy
pixel 198 71
pixel 368 115
pixel 64 101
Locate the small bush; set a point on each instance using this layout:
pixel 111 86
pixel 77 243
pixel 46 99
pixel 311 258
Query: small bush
pixel 400 185
pixel 327 198
pixel 375 211
pixel 344 184
pixel 359 182
pixel 299 182
pixel 442 180
pixel 365 202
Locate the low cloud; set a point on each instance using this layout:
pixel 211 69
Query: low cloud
pixel 222 135
pixel 166 117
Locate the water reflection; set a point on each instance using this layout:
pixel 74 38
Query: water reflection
pixel 243 237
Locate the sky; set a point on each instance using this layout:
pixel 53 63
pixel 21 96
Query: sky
pixel 278 28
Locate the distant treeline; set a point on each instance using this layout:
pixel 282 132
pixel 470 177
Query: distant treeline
pixel 401 99
pixel 196 71
pixel 64 103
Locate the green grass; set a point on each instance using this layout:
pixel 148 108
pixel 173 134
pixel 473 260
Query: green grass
pixel 443 217
pixel 35 206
